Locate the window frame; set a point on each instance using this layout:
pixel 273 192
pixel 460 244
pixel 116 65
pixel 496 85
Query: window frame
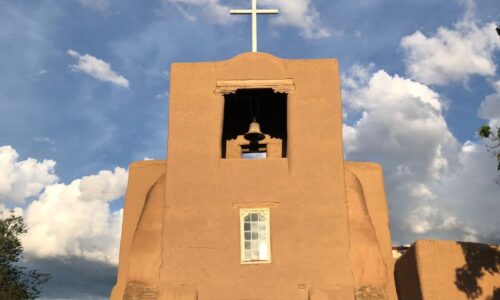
pixel 243 212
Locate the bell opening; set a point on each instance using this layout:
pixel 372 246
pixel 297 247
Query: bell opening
pixel 255 114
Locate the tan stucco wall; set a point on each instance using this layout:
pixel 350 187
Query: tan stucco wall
pixel 443 270
pixel 371 181
pixel 142 177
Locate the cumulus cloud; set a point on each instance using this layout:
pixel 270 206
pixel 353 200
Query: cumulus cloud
pixel 75 219
pixel 452 54
pixel 64 220
pixel 407 114
pixel 472 195
pixel 73 233
pixel 300 14
pixel 423 219
pixel 6 212
pixel 97 68
pixel 490 107
pixel 215 11
pixel 357 76
pixel 22 179
pixel 437 188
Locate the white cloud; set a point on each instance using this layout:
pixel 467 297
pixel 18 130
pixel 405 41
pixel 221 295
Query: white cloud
pixel 44 139
pixel 20 180
pixel 41 73
pixel 452 54
pixel 357 76
pixel 99 5
pixel 75 219
pixel 423 219
pixel 437 188
pixel 422 191
pixel 490 107
pixel 213 10
pixel 471 193
pixel 105 186
pixel 97 68
pixel 163 96
pixel 300 14
pixel 405 115
pixel 72 219
pixel 6 212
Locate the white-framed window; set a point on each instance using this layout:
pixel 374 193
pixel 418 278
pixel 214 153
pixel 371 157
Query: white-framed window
pixel 255 235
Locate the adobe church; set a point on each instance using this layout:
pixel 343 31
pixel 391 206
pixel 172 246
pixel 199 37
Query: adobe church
pixel 255 200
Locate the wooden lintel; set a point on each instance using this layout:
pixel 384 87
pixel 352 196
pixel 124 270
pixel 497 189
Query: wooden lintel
pixel 279 86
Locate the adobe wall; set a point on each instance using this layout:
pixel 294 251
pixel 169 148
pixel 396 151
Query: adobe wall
pixel 142 175
pixel 443 270
pixel 305 191
pixel 370 176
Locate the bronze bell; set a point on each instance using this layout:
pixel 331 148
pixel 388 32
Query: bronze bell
pixel 254 134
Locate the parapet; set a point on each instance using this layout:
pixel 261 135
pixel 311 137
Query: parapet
pixel 432 270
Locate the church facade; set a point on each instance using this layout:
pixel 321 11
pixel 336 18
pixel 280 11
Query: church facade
pixel 255 199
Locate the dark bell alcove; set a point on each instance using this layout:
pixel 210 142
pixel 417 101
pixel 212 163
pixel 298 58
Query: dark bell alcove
pixel 267 107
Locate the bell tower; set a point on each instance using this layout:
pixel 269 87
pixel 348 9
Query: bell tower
pixel 255 200
pixel 299 180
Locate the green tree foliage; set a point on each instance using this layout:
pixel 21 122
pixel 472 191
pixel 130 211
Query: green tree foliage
pixel 493 142
pixel 16 282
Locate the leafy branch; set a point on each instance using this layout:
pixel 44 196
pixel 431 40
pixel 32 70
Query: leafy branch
pixel 493 142
pixel 16 282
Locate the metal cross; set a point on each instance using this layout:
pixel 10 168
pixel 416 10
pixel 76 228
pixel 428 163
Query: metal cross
pixel 254 11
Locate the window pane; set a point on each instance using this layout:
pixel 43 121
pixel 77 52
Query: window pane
pixel 247 218
pixel 254 216
pixel 246 227
pixel 247 236
pixel 254 245
pixel 247 245
pixel 255 235
pixel 255 226
pixel 262 226
pixel 255 254
pixel 262 217
pixel 263 250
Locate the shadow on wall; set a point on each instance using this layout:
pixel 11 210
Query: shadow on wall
pixel 478 260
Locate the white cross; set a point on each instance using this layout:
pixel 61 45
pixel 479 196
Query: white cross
pixel 254 11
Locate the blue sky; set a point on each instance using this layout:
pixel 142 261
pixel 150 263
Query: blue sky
pixel 84 92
